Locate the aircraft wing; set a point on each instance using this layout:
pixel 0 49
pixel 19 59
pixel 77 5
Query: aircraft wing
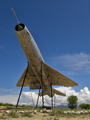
pixel 56 78
pixel 30 80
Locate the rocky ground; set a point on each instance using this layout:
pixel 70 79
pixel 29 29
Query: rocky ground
pixel 40 114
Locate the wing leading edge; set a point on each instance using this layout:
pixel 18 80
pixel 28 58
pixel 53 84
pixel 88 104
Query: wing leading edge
pixel 56 78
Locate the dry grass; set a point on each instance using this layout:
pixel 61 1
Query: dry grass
pixel 26 114
pixel 13 114
pixel 55 113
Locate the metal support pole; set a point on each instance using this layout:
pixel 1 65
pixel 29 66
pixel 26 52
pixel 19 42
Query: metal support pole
pixel 54 100
pixel 51 96
pixel 42 86
pixel 32 98
pixel 22 86
pixel 38 96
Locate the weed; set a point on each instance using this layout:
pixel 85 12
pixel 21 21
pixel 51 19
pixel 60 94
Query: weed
pixel 53 113
pixel 49 118
pixel 3 114
pixel 38 109
pixel 13 114
pixel 26 114
pixel 1 117
pixel 44 115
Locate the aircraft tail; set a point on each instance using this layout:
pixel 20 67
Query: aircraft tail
pixel 59 93
pixel 54 92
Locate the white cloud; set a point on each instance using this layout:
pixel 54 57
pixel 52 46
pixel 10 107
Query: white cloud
pixel 8 99
pixel 73 63
pixel 26 98
pixel 83 95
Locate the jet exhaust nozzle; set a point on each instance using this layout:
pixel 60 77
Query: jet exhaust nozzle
pixel 19 27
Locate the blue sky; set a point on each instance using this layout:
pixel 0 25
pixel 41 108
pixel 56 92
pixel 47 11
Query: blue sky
pixel 61 29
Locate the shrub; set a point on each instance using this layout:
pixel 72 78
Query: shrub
pixel 23 106
pixel 85 106
pixel 72 101
pixel 6 104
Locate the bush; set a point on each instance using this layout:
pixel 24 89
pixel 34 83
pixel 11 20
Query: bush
pixel 23 106
pixel 6 105
pixel 85 106
pixel 72 101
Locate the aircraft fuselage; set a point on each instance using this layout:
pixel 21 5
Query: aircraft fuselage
pixel 33 55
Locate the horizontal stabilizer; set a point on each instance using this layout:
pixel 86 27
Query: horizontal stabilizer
pixel 59 93
pixel 55 92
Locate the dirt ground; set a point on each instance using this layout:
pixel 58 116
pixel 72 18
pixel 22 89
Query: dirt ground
pixel 40 116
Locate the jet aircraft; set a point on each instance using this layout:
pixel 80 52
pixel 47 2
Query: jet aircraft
pixel 39 74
